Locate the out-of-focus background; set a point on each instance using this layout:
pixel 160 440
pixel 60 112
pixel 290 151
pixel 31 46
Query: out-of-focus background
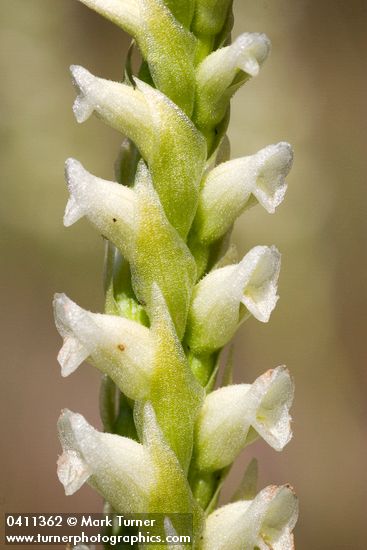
pixel 312 93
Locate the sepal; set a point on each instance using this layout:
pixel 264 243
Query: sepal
pixel 266 522
pixel 230 415
pixel 233 186
pixel 227 296
pixel 118 347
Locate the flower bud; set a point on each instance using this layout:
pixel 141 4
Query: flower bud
pixel 227 296
pixel 233 186
pixel 167 139
pixel 266 522
pixel 224 71
pixel 121 348
pixel 228 414
pixel 120 469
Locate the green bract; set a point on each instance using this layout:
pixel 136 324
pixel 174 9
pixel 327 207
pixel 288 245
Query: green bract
pixel 176 291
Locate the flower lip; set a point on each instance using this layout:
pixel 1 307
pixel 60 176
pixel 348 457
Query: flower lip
pixel 260 290
pixel 251 49
pixel 271 166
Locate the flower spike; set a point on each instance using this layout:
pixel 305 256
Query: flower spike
pixel 175 289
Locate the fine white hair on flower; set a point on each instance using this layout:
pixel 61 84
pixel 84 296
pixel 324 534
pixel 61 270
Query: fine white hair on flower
pixel 120 348
pixel 266 522
pixel 237 184
pixel 228 295
pixel 234 416
pixel 121 469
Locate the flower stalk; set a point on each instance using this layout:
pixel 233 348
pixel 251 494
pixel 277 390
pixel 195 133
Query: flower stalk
pixel 176 292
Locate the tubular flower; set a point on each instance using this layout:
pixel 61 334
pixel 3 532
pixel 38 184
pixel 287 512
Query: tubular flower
pixel 121 469
pixel 118 347
pixel 224 71
pixel 235 185
pixel 228 295
pixel 233 416
pixel 175 289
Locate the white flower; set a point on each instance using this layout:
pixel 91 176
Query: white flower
pixel 111 207
pixel 266 522
pixel 121 106
pixel 216 75
pixel 234 416
pixel 233 186
pixel 120 469
pixel 227 296
pixel 121 348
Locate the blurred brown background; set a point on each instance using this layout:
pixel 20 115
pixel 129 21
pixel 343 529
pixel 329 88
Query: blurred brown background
pixel 311 92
